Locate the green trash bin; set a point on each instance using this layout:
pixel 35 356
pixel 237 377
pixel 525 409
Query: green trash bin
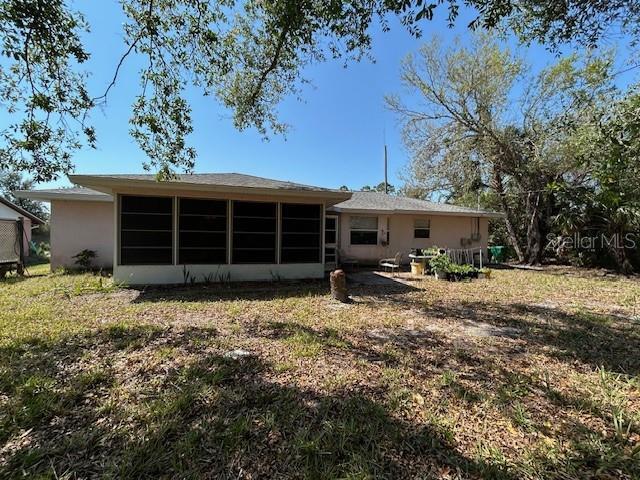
pixel 497 253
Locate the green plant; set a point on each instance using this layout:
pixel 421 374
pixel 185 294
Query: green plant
pixel 440 263
pixel 434 250
pixel 187 277
pixel 84 258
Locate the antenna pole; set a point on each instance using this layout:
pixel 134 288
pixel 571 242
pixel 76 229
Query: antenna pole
pixel 386 184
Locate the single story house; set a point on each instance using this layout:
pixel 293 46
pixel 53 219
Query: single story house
pixel 230 226
pixel 11 212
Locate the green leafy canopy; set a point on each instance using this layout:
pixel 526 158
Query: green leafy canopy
pixel 247 54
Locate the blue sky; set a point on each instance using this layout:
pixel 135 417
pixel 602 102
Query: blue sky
pixel 337 132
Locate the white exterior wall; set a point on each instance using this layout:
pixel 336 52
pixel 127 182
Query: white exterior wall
pixel 172 274
pixel 446 232
pixel 78 225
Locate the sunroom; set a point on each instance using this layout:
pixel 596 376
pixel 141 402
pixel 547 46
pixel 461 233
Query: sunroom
pixel 215 232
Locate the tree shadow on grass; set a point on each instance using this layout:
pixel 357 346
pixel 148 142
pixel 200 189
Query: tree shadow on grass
pixel 231 291
pixel 361 283
pixel 592 338
pixel 211 417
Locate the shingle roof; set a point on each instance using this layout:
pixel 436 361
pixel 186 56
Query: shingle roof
pixel 384 203
pixel 68 190
pixel 76 193
pixel 223 179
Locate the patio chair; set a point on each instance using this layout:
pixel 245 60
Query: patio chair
pixel 392 263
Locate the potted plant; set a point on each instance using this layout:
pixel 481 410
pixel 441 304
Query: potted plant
pixel 484 273
pixel 473 272
pixel 440 266
pixel 461 272
pixel 452 273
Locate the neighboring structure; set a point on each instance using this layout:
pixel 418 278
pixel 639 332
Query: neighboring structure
pixel 240 227
pixel 11 212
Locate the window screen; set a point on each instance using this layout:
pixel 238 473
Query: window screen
pixel 254 232
pixel 363 230
pixel 421 228
pixel 330 230
pixel 202 227
pixel 146 230
pixel 301 233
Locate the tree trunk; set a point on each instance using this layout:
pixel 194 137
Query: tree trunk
pixel 534 236
pixel 338 281
pixel 499 188
pixel 620 254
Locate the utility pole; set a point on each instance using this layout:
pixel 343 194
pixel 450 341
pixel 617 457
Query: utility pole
pixel 386 184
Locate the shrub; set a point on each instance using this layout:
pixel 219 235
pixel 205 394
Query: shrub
pixel 85 258
pixel 441 263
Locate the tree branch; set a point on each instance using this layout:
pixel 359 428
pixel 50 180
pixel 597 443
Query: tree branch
pixel 103 97
pixel 272 66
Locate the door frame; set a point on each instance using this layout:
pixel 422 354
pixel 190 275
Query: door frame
pixel 335 244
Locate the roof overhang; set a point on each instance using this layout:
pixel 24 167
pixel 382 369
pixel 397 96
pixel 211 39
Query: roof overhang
pixel 368 211
pixel 113 185
pixel 48 196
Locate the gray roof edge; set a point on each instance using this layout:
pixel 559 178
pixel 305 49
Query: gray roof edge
pixel 64 194
pixel 225 181
pixel 451 213
pixel 378 202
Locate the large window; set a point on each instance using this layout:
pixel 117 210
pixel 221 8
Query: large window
pixel 254 232
pixel 202 231
pixel 301 233
pixel 421 228
pixel 364 230
pixel 146 230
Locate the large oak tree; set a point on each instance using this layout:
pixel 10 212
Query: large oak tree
pixel 247 54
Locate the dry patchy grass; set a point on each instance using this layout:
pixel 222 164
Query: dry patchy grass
pixel 526 375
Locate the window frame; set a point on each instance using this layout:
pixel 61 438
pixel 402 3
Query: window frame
pixel 224 232
pixel 335 219
pixel 120 230
pixel 318 223
pixel 233 232
pixel 353 230
pixel 417 228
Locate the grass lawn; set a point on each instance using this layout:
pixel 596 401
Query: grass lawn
pixel 525 375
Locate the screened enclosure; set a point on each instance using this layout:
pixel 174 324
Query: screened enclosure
pixel 146 230
pixel 254 232
pixel 206 231
pixel 301 233
pixel 202 227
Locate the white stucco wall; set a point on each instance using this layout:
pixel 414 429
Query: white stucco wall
pixel 78 225
pixel 170 274
pixel 446 232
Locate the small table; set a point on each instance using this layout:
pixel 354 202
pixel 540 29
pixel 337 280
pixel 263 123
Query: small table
pixel 422 259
